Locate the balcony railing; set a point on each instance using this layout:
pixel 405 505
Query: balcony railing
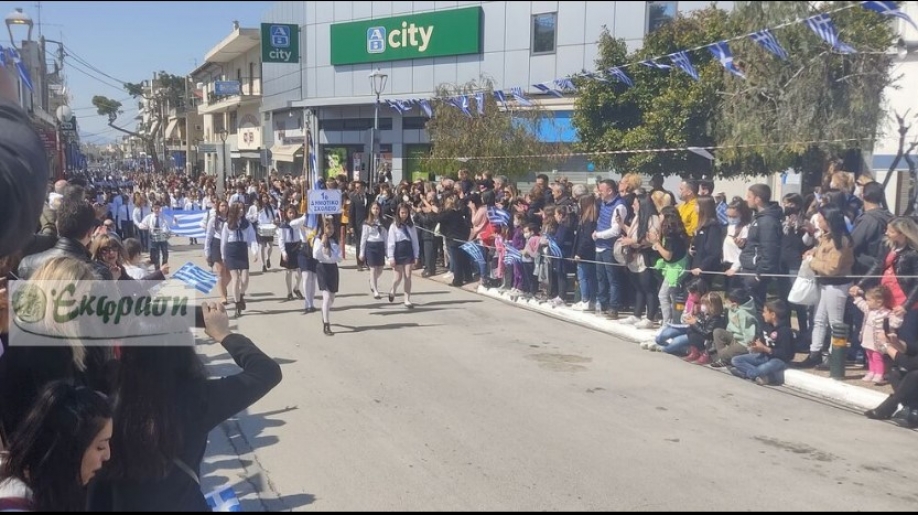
pixel 246 89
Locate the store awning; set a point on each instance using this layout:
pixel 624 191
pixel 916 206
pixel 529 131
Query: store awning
pixel 170 128
pixel 286 153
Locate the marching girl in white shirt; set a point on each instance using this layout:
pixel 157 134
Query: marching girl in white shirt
pixel 264 216
pixel 373 240
pixel 328 254
pixel 402 251
pixel 237 236
pixel 141 211
pixel 213 246
pixel 290 242
pixel 306 262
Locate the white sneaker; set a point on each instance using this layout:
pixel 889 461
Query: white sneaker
pixel 579 306
pixel 630 320
pixel 647 345
pixel 644 324
pixel 869 377
pixel 656 348
pixel 449 276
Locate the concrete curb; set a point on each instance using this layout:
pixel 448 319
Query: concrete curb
pixel 847 395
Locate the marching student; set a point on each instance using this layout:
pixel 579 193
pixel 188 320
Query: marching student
pixel 306 263
pixel 263 215
pixel 213 247
pixel 327 253
pixel 402 251
pixel 373 241
pixel 157 227
pixel 290 243
pixel 238 235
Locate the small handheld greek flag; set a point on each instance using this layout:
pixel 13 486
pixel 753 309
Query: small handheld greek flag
pixel 474 251
pixel 513 255
pixel 498 216
pixel 196 277
pixel 223 499
pixel 553 249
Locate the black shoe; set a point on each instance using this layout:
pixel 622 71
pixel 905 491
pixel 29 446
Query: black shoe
pixel 311 310
pixel 391 297
pixel 268 263
pixel 326 328
pixel 298 294
pixel 239 309
pixel 815 358
pixel 289 296
pixel 909 421
pixel 719 364
pixel 886 409
pixel 612 314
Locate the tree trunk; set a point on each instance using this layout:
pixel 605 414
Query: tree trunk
pixel 903 132
pixel 151 149
pixel 912 206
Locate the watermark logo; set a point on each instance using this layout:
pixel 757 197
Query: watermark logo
pixel 62 313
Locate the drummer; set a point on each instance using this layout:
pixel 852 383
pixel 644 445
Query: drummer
pixel 265 217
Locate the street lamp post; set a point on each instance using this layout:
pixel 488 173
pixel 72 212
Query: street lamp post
pixel 221 182
pixel 64 115
pixel 17 18
pixel 377 84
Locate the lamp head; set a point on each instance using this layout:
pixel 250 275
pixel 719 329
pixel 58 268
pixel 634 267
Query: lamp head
pixel 378 81
pixel 15 19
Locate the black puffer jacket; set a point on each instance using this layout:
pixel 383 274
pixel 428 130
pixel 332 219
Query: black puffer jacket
pixel 868 236
pixel 905 267
pixel 762 253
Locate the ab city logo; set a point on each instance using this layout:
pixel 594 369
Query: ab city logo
pixel 376 40
pixel 409 36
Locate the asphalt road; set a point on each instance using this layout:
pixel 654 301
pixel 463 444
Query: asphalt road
pixel 466 403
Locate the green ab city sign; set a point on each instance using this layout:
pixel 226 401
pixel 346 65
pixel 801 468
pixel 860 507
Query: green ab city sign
pixel 280 43
pixel 412 36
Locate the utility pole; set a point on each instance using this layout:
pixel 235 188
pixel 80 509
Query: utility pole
pixel 189 105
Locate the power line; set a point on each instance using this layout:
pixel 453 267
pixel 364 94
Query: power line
pixel 91 76
pixel 69 52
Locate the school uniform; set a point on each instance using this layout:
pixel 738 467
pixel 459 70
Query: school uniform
pixel 304 258
pixel 327 265
pixel 290 242
pixel 402 244
pixel 213 251
pixel 263 217
pixel 235 243
pixel 157 227
pixel 374 239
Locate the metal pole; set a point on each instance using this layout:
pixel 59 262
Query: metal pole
pixel 188 126
pixel 373 144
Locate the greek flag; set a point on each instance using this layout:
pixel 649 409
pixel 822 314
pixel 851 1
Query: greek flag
pixel 553 249
pixel 548 91
pixel 520 98
pixel 500 97
pixel 681 60
pixel 498 216
pixel 721 51
pixel 464 105
pixel 11 56
pixel 889 9
pixel 223 499
pixel 617 72
pixel 769 42
pixel 186 223
pixel 196 277
pixel 425 106
pixel 480 102
pixel 653 64
pixel 474 251
pixel 822 25
pixel 565 84
pixel 513 255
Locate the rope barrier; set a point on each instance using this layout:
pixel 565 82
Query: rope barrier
pixel 853 278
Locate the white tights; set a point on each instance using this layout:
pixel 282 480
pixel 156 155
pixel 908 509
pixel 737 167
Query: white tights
pixel 292 277
pixel 309 288
pixel 239 280
pixel 375 274
pixel 328 299
pixel 266 248
pixel 403 272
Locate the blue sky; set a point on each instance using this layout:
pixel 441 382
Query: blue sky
pixel 129 41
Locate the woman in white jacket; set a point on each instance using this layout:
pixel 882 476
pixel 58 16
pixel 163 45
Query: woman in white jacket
pixel 402 251
pixel 328 254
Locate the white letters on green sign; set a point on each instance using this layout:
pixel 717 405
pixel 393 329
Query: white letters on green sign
pixel 407 36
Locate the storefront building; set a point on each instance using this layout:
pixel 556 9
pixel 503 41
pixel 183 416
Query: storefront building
pixel 420 46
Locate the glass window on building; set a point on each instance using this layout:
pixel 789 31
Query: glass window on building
pixel 659 14
pixel 233 122
pixel 544 30
pixel 414 165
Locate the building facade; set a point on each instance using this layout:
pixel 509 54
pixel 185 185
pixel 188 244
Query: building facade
pixel 228 90
pixel 421 46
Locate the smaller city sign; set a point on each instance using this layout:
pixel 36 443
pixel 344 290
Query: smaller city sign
pixel 280 43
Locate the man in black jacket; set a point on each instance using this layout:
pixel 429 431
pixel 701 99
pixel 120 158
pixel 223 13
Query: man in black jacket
pixel 76 222
pixel 762 253
pixel 357 215
pixel 870 229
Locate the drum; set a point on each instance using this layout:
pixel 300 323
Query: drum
pixel 267 230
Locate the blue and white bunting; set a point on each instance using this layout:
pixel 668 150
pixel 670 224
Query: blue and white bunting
pixel 548 90
pixel 653 64
pixel 425 106
pixel 823 26
pixel 13 57
pixel 480 102
pixel 769 42
pixel 721 51
pixel 520 97
pixel 565 84
pixel 889 9
pixel 622 77
pixel 681 60
pixel 500 97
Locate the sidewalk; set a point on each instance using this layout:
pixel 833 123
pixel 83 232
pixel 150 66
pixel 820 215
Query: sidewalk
pixel 847 395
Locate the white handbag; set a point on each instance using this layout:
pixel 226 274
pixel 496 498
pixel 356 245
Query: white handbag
pixel 805 291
